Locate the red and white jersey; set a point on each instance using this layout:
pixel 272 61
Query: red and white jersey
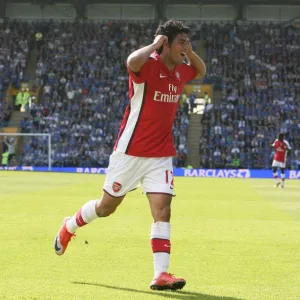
pixel 154 92
pixel 281 148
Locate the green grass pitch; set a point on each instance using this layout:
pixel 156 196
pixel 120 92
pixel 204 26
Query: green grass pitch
pixel 231 239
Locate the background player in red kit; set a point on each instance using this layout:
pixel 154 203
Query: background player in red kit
pixel 144 148
pixel 281 148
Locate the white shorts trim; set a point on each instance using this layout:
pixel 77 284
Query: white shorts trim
pixel 126 173
pixel 278 164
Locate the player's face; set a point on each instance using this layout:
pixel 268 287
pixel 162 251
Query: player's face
pixel 179 48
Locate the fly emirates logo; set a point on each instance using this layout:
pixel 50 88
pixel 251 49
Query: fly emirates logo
pixel 170 97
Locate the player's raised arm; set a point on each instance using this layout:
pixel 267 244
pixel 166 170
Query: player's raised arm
pixel 288 145
pixel 196 61
pixel 137 58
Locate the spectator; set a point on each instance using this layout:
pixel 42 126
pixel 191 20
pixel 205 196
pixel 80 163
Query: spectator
pixel 5 156
pixel 236 162
pixel 207 99
pixel 10 142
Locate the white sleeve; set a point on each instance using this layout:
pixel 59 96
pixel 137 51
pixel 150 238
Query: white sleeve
pixel 288 145
pixel 274 143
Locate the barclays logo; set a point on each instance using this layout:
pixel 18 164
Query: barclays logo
pixel 91 170
pixel 239 173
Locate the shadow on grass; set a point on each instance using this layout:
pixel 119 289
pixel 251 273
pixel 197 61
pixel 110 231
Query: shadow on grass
pixel 180 295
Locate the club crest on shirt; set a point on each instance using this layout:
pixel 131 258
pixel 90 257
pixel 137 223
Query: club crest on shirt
pixel 116 186
pixel 177 75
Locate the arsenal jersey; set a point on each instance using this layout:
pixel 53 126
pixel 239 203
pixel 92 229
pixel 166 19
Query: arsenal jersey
pixel 154 92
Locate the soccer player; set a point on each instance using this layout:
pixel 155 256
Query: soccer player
pixel 144 148
pixel 281 148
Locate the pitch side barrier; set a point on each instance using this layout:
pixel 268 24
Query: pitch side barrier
pixel 216 173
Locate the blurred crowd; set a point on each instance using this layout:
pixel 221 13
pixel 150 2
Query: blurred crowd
pixel 13 59
pixel 14 38
pixel 257 69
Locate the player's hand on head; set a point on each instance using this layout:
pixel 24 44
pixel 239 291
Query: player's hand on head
pixel 189 48
pixel 160 40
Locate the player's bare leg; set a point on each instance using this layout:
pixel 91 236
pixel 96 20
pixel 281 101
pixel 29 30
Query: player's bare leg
pixel 89 212
pixel 275 175
pixel 160 205
pixel 282 177
pixel 107 205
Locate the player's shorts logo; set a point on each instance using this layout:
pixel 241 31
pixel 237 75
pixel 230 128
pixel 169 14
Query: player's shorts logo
pixel 116 186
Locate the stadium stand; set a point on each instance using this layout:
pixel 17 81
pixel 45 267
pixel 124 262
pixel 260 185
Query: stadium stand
pixel 14 37
pixel 256 66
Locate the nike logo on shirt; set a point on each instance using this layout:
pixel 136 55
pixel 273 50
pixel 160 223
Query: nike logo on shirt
pixel 162 76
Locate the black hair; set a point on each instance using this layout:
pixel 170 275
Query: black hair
pixel 171 29
pixel 280 136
